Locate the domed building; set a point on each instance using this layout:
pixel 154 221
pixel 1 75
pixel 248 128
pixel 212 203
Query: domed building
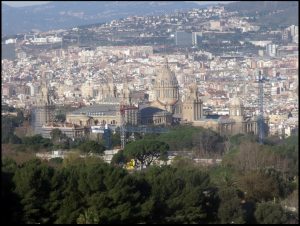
pixel 237 121
pixel 167 108
pixel 166 87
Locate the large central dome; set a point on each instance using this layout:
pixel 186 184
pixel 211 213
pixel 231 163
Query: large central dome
pixel 166 86
pixel 166 77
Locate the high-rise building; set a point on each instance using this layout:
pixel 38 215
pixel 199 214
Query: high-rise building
pixel 294 30
pixel 286 35
pixel 294 33
pixel 195 37
pixel 271 50
pixel 183 38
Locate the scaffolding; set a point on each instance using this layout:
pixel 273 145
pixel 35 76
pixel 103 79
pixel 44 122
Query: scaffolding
pixel 261 125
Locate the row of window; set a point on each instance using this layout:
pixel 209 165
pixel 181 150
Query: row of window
pixel 103 122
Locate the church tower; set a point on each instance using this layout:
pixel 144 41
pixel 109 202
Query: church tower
pixel 192 109
pixel 236 109
pixel 126 94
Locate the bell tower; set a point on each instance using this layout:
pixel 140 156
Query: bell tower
pixel 192 107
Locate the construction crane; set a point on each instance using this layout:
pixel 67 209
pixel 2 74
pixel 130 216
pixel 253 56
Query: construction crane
pixel 261 129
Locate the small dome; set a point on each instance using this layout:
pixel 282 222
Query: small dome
pixel 236 102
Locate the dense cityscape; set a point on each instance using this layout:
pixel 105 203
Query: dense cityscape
pixel 182 117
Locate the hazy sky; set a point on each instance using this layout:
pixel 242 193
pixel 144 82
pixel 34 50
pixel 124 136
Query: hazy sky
pixel 28 3
pixel 24 3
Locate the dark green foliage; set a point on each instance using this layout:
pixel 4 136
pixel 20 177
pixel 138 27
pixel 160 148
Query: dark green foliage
pixel 90 216
pixel 56 160
pixel 56 134
pixel 37 141
pixel 270 213
pixel 91 191
pixel 14 139
pixel 60 139
pixel 115 139
pixel 11 209
pixel 230 210
pixel 77 142
pixel 92 147
pixel 32 182
pixel 283 186
pixel 180 138
pixel 145 151
pixel 119 158
pixel 8 125
pixel 179 196
pixel 7 128
pixel 97 192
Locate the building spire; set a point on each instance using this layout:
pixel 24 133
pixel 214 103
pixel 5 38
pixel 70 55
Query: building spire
pixel 166 62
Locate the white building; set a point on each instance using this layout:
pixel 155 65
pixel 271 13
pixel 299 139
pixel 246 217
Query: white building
pixel 271 50
pixel 10 41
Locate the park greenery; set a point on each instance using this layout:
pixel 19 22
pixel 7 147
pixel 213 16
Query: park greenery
pixel 254 184
pixel 90 191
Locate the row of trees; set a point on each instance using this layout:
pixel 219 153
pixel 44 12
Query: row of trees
pixel 37 143
pixel 90 191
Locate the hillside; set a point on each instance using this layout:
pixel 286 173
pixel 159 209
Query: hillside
pixel 268 13
pixel 59 15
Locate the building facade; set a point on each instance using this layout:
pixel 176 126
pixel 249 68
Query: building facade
pixel 168 108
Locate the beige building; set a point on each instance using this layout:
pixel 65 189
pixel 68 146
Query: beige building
pixel 237 122
pixel 234 123
pixel 107 111
pixel 71 130
pixel 168 108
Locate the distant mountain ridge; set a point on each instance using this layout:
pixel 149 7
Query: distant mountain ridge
pixel 61 15
pixel 64 14
pixel 268 13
